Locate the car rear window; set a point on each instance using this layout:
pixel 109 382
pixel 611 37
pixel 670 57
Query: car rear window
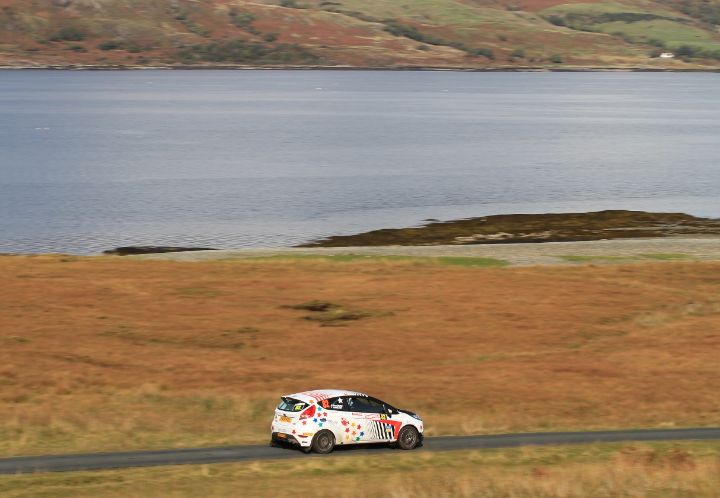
pixel 291 405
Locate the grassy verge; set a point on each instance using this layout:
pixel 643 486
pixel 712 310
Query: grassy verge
pixel 609 470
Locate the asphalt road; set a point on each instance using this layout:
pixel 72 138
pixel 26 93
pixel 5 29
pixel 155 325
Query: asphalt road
pixel 96 461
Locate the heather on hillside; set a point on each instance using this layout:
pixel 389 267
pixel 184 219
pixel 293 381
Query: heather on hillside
pixel 369 33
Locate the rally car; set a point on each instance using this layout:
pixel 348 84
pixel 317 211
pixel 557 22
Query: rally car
pixel 319 420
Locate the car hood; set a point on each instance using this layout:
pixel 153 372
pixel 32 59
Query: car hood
pixel 407 412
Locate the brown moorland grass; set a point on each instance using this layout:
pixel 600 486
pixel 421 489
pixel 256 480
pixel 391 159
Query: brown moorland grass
pixel 108 353
pixel 680 470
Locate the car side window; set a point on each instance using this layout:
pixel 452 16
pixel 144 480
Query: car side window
pixel 384 406
pixel 351 404
pixel 366 405
pixel 339 403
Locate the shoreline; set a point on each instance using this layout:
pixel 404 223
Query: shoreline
pixel 593 253
pixel 597 252
pixel 608 236
pixel 233 67
pixel 622 250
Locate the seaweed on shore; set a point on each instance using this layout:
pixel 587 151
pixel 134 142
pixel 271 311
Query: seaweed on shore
pixel 135 250
pixel 516 228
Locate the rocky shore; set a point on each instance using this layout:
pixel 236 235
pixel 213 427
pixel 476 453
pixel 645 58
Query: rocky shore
pixel 533 228
pixel 136 250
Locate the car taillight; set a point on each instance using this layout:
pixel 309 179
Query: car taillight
pixel 308 413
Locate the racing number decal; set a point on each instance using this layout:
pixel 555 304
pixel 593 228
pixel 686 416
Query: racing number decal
pixel 383 429
pixel 392 427
pixel 325 403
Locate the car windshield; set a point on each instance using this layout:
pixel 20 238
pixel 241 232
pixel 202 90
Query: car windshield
pixel 291 405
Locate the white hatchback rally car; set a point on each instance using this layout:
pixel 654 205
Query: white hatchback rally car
pixel 319 420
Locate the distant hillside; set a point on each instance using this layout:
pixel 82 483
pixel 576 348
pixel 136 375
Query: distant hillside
pixel 362 33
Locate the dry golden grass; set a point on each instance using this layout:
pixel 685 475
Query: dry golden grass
pixel 687 470
pixel 109 353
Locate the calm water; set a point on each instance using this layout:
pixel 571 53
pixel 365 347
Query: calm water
pixel 94 160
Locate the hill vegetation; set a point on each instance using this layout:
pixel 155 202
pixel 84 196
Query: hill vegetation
pixel 367 33
pixel 111 353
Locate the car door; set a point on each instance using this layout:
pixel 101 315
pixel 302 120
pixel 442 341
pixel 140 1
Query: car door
pixel 368 421
pixel 338 417
pixel 330 413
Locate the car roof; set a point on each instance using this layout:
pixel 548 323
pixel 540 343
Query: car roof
pixel 320 394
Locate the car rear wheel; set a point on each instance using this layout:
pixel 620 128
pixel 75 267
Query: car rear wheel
pixel 323 442
pixel 408 438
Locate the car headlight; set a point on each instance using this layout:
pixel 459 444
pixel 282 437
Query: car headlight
pixel 415 416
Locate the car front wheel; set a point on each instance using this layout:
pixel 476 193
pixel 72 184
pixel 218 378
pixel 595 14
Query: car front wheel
pixel 408 438
pixel 323 442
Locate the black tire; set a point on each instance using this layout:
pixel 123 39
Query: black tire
pixel 323 442
pixel 408 438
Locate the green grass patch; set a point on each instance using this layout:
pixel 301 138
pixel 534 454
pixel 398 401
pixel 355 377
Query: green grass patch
pixel 474 262
pixel 333 258
pixel 575 258
pixel 669 32
pixel 434 12
pixel 657 27
pixel 602 8
pixel 471 262
pixel 665 256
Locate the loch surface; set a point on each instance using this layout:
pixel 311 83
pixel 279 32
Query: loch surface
pixel 91 160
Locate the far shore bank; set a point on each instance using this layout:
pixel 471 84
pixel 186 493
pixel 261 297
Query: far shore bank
pixel 508 69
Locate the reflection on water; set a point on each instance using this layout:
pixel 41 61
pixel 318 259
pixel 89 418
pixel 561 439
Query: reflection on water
pixel 93 160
